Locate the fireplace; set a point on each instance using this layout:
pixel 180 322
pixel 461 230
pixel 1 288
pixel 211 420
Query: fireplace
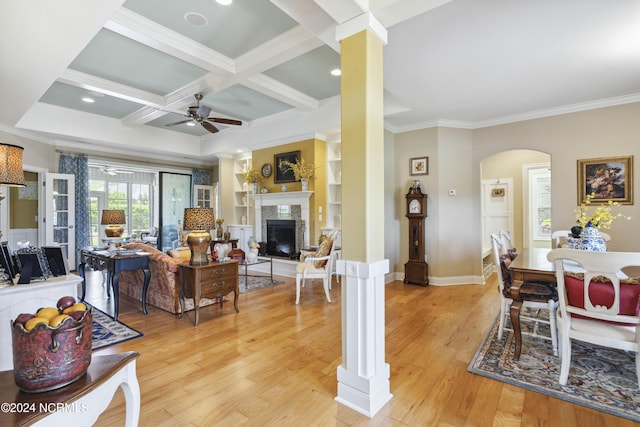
pixel 281 237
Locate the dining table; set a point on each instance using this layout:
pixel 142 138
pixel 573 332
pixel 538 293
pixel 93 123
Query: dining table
pixel 531 264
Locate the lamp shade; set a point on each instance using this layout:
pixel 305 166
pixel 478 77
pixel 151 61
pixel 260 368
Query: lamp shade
pixel 198 219
pixel 11 173
pixel 112 216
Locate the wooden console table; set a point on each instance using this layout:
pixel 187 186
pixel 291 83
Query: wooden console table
pixel 79 403
pixel 114 264
pixel 213 280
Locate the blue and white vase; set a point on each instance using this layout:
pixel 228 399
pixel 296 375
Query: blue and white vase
pixel 590 240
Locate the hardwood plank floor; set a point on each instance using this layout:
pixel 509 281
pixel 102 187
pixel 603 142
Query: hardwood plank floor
pixel 274 363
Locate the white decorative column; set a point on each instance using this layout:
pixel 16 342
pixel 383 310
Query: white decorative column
pixel 363 377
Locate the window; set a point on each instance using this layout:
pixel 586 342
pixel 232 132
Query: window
pixel 129 191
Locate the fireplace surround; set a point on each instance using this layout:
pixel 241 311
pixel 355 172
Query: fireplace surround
pixel 266 207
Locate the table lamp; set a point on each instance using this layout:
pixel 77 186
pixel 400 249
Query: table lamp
pixel 11 173
pixel 113 219
pixel 199 221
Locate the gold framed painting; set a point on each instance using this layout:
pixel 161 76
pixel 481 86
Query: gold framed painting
pixel 607 178
pixel 419 166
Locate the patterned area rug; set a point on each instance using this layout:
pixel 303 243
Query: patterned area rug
pixel 255 283
pixel 600 378
pixel 107 331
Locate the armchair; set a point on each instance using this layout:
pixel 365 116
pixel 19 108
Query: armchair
pixel 318 266
pixel 596 305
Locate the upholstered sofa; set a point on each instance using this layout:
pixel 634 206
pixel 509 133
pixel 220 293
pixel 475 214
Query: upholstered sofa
pixel 164 283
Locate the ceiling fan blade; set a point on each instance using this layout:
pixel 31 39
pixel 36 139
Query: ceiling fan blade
pixel 179 123
pixel 208 126
pixel 224 121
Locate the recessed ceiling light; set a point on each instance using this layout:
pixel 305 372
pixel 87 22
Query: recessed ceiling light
pixel 336 72
pixel 195 18
pixel 224 2
pixel 88 100
pixel 190 124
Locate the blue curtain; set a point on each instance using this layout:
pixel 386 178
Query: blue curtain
pixel 201 177
pixel 78 165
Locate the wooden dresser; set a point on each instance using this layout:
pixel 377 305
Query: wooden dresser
pixel 213 280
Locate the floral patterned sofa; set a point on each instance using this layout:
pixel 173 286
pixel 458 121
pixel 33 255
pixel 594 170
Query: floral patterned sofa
pixel 164 283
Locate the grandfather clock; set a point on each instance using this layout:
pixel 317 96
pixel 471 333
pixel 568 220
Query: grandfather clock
pixel 416 270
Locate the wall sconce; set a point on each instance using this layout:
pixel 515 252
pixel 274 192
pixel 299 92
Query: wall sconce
pixel 11 173
pixel 199 221
pixel 113 219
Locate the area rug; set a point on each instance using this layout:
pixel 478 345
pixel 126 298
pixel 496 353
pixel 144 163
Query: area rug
pixel 107 332
pixel 599 378
pixel 256 282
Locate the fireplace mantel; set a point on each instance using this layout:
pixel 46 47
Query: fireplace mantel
pixel 300 198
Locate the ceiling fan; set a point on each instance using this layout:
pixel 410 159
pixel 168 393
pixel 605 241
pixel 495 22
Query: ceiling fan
pixel 200 114
pixel 110 170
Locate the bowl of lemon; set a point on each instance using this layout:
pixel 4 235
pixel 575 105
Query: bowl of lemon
pixel 51 346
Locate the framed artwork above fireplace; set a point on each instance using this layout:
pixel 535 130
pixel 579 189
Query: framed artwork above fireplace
pixel 286 175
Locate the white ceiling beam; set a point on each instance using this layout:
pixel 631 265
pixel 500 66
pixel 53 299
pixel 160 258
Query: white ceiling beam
pixel 280 49
pixel 142 30
pixel 275 89
pixel 312 17
pixel 108 87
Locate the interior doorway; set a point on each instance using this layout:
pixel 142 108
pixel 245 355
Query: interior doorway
pixel 514 165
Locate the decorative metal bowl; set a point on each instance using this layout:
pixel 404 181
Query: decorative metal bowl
pixel 47 358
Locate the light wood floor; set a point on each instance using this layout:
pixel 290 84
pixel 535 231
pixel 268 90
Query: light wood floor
pixel 274 363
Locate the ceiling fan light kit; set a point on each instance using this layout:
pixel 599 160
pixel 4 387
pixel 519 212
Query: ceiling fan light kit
pixel 200 114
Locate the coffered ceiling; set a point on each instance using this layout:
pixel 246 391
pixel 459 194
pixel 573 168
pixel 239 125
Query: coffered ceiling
pixel 464 63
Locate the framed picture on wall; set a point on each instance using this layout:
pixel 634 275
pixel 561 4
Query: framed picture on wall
pixel 285 175
pixel 419 166
pixel 607 178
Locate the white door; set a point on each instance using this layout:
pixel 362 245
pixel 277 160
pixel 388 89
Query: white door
pixel 60 218
pixel 497 209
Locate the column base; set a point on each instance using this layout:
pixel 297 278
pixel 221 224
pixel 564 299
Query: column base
pixel 363 376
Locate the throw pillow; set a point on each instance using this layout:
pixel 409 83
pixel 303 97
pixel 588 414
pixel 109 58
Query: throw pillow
pixel 323 250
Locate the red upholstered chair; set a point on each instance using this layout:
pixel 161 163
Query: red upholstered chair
pixel 596 305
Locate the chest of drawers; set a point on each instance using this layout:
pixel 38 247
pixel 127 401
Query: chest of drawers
pixel 213 280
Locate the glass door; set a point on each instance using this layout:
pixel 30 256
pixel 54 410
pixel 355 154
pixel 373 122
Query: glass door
pixel 60 216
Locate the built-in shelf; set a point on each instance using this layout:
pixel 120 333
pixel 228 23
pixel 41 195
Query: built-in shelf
pixel 334 181
pixel 241 189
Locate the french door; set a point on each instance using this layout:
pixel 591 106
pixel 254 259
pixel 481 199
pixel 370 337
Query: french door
pixel 60 217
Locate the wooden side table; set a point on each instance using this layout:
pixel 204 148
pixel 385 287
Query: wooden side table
pixel 79 403
pixel 213 280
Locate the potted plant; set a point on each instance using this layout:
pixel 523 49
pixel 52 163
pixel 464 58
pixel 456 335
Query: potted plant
pixel 253 177
pixel 302 171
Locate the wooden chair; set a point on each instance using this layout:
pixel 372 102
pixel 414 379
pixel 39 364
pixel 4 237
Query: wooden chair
pixel 544 301
pixel 314 267
pixel 596 306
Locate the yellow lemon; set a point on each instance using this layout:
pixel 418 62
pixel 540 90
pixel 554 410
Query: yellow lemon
pixel 75 307
pixel 31 323
pixel 47 312
pixel 58 320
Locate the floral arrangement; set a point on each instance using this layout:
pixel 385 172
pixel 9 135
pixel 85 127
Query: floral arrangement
pixel 602 217
pixel 301 169
pixel 254 245
pixel 219 221
pixel 252 176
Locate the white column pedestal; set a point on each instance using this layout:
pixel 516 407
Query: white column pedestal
pixel 363 377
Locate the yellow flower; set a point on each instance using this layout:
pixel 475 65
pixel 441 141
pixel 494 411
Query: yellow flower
pixel 301 169
pixel 254 245
pixel 252 176
pixel 219 220
pixel 602 216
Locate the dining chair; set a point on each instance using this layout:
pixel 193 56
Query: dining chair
pixel 316 267
pixel 557 238
pixel 542 309
pixel 596 305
